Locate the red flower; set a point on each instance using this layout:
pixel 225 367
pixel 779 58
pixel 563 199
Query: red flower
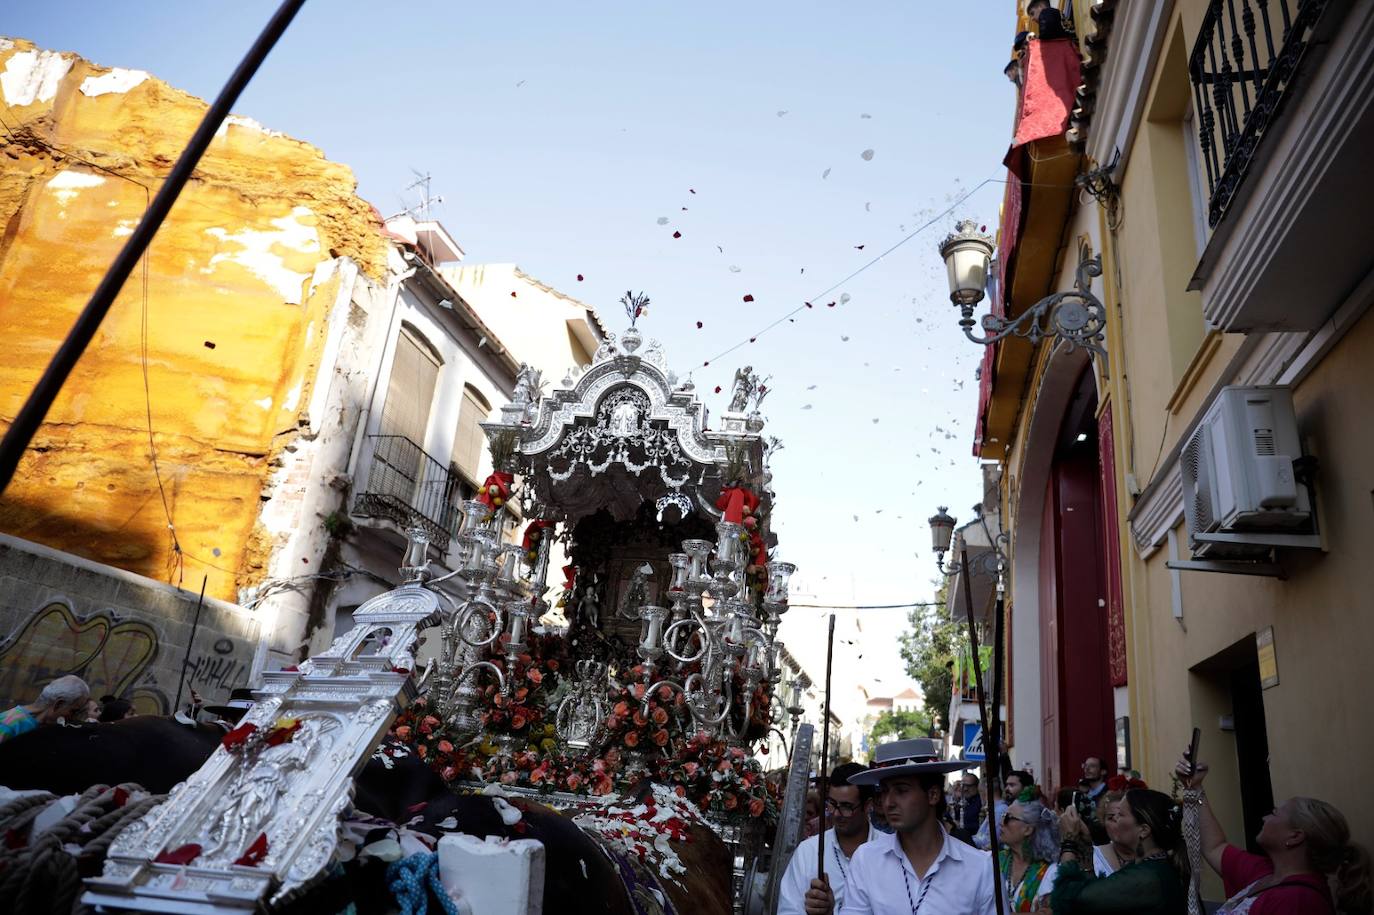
pixel 574 781
pixel 445 747
pixel 680 791
pixel 660 717
pixel 661 737
pixel 603 785
pixel 237 738
pixel 621 710
pixel 551 664
pixel 631 739
pixel 449 773
pixel 517 721
pixel 640 719
pixel 756 807
pixel 282 731
pixel 255 853
pixel 535 677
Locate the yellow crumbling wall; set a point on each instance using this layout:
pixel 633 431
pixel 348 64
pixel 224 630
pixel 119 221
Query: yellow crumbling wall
pixel 232 330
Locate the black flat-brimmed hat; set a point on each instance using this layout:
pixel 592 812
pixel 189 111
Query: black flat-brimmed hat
pixel 240 701
pixel 917 756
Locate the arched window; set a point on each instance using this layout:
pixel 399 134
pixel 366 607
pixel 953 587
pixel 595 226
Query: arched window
pixel 469 440
pixel 410 390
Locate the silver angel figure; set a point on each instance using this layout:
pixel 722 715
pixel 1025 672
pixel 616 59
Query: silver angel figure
pixel 746 383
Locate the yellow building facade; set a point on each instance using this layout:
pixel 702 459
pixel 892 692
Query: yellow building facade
pixel 1227 216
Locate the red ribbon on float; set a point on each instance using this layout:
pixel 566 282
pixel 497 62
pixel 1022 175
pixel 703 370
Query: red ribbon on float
pixel 534 532
pixel 734 500
pixel 496 489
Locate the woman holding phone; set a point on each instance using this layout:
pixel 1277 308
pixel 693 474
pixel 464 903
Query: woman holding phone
pixel 1309 865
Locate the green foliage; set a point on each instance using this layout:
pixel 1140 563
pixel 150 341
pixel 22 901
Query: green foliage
pixel 905 725
pixel 929 648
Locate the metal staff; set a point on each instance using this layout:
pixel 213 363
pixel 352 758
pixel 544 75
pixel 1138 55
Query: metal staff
pixel 825 750
pixel 983 719
pixel 30 416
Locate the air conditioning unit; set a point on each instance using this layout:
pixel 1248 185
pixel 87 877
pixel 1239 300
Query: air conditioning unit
pixel 1238 481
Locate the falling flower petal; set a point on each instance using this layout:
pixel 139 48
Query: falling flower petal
pixel 698 325
pixel 875 420
pixel 718 391
pixel 858 247
pixel 829 304
pixel 663 220
pixel 579 277
pixel 825 174
pixel 734 268
pixel 807 407
pixel 677 234
pixel 748 298
pixel 866 155
pixel 781 113
pixel 844 298
pixel 512 295
pixel 690 191
pixel 868 206
pixel 811 387
pixel 844 339
pixel 808 305
pixel 752 339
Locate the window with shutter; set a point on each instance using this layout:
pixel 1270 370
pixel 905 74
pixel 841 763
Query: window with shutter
pixel 410 392
pixel 469 440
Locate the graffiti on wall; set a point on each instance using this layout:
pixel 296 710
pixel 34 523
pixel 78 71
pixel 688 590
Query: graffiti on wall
pixel 114 655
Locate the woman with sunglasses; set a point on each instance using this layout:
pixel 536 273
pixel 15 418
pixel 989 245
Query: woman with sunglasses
pixel 1029 844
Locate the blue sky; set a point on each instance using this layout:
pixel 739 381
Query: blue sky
pixel 559 134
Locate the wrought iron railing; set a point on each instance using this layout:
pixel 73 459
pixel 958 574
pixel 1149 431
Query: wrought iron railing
pixel 408 486
pixel 1242 66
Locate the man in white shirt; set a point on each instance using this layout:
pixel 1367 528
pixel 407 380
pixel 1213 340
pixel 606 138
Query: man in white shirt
pixel 918 869
pixel 847 807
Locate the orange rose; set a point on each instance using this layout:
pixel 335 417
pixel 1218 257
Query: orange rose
pixel 680 791
pixel 621 710
pixel 639 719
pixel 756 807
pixel 535 677
pixel 665 693
pixel 445 747
pixel 631 739
pixel 517 721
pixel 660 717
pixel 661 737
pixel 638 690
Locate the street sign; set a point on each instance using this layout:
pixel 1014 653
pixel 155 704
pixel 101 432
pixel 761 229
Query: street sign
pixel 973 741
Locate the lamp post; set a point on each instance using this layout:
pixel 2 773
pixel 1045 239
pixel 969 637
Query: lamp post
pixel 941 533
pixel 1076 316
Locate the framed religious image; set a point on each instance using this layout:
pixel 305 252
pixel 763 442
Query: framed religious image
pixel 1123 744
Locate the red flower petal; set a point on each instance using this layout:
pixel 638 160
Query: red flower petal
pixel 717 389
pixel 677 234
pixel 255 853
pixel 121 797
pixel 698 325
pixel 829 304
pixel 748 298
pixel 690 191
pixel 752 339
pixel 858 247
pixel 183 855
pixel 512 295
pixel 579 277
pixel 809 305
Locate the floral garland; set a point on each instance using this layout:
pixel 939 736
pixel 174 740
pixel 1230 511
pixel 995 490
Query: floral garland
pixel 722 780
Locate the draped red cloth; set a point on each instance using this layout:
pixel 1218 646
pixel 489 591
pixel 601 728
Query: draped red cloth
pixel 1053 74
pixel 733 501
pixel 534 531
pixel 502 482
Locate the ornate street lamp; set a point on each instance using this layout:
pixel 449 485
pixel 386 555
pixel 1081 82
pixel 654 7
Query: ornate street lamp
pixel 941 530
pixel 1077 316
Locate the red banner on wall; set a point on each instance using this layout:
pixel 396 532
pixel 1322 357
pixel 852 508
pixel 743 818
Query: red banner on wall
pixel 1111 543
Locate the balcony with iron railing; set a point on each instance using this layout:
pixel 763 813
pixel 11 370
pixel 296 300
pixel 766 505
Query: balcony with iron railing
pixel 407 486
pixel 1242 67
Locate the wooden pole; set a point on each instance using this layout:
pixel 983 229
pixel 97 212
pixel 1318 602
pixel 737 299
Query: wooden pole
pixel 824 781
pixel 991 811
pixel 186 658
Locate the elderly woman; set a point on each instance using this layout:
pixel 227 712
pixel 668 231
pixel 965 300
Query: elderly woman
pixel 1152 885
pixel 63 698
pixel 1309 864
pixel 1029 844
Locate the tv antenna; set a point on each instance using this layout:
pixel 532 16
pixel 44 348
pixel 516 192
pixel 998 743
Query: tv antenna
pixel 421 210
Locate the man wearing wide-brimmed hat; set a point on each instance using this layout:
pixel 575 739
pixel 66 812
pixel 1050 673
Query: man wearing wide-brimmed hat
pixel 918 869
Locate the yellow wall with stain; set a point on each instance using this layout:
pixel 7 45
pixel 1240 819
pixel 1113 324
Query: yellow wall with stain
pixel 234 333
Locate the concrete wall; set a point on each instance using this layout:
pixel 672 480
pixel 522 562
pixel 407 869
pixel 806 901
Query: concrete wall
pixel 125 634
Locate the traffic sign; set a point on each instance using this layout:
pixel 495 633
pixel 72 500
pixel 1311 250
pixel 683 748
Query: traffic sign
pixel 973 741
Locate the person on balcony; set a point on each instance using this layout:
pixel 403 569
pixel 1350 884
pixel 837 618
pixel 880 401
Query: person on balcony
pixel 1049 23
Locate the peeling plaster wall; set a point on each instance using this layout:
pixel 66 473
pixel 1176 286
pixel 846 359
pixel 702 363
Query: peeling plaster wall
pixel 237 319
